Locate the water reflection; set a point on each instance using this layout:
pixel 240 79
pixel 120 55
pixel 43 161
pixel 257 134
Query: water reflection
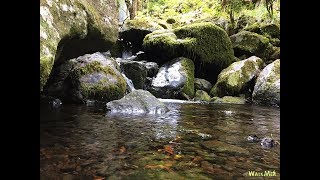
pixel 81 141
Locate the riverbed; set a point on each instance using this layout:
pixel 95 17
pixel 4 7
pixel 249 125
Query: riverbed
pixel 191 141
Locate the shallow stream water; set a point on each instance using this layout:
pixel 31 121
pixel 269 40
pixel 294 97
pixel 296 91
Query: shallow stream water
pixel 191 141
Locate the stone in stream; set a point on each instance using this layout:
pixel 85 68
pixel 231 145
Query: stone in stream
pixel 174 80
pixel 237 78
pixel 202 84
pixel 267 142
pixel 229 100
pixel 222 147
pixel 202 96
pixel 88 77
pixel 137 102
pixel 253 138
pixel 267 88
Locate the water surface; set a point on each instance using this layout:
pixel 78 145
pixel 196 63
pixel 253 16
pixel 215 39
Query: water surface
pixel 192 141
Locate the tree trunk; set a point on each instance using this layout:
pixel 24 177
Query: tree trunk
pixel 133 9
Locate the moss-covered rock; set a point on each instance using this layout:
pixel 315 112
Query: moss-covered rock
pixel 202 84
pixel 237 78
pixel 249 43
pixel 202 96
pixel 92 76
pixel 275 42
pixel 133 31
pixel 276 54
pixel 205 43
pixel 65 20
pixel 175 79
pixel 229 100
pixel 137 102
pixel 272 30
pixel 267 88
pixel 136 71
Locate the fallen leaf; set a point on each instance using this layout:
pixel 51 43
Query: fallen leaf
pixel 177 156
pixel 169 150
pixel 122 149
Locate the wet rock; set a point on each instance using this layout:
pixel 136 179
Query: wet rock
pixel 137 102
pixel 229 100
pixel 136 71
pixel 202 84
pixel 272 30
pixel 253 138
pixel 267 142
pixel 237 78
pixel 202 96
pixel 267 88
pixel 222 147
pixel 91 76
pixel 152 69
pixel 173 79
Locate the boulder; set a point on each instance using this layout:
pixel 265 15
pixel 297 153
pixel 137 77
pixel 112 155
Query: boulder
pixel 137 102
pixel 202 96
pixel 174 80
pixel 238 78
pixel 267 88
pixel 249 44
pixel 136 71
pixel 205 43
pixel 92 76
pixel 272 30
pixel 202 84
pixel 88 26
pixel 229 100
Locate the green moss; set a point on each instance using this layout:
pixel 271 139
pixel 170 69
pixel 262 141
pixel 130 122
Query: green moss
pixel 230 100
pixel 103 90
pixel 188 66
pixel 202 96
pixel 202 42
pixel 272 30
pixel 46 64
pixel 253 28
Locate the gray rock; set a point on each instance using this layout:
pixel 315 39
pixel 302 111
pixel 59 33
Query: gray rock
pixel 202 84
pixel 267 142
pixel 137 102
pixel 267 88
pixel 136 71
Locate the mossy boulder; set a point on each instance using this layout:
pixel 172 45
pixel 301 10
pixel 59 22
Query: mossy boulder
pixel 205 43
pixel 202 84
pixel 249 44
pixel 229 100
pixel 253 28
pixel 136 71
pixel 275 42
pixel 238 78
pixel 272 30
pixel 137 102
pixel 174 80
pixel 267 88
pixel 63 21
pixel 276 54
pixel 88 77
pixel 133 32
pixel 202 96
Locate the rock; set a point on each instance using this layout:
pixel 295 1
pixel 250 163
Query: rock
pixel 253 138
pixel 87 26
pixel 133 31
pixel 229 100
pixel 237 78
pixel 249 43
pixel 152 69
pixel 136 71
pixel 245 21
pixel 202 84
pixel 275 42
pixel 253 28
pixel 276 54
pixel 202 96
pixel 88 77
pixel 205 43
pixel 170 21
pixel 267 142
pixel 271 30
pixel 173 79
pixel 137 102
pixel 222 147
pixel 267 88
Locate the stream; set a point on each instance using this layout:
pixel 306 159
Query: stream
pixel 191 141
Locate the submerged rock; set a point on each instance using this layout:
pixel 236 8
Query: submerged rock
pixel 267 88
pixel 137 102
pixel 267 142
pixel 202 84
pixel 253 138
pixel 91 76
pixel 173 79
pixel 222 147
pixel 237 78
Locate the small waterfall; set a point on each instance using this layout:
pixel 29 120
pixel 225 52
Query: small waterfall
pixel 123 11
pixel 126 54
pixel 130 86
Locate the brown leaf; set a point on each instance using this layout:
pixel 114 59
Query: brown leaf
pixel 169 149
pixel 122 149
